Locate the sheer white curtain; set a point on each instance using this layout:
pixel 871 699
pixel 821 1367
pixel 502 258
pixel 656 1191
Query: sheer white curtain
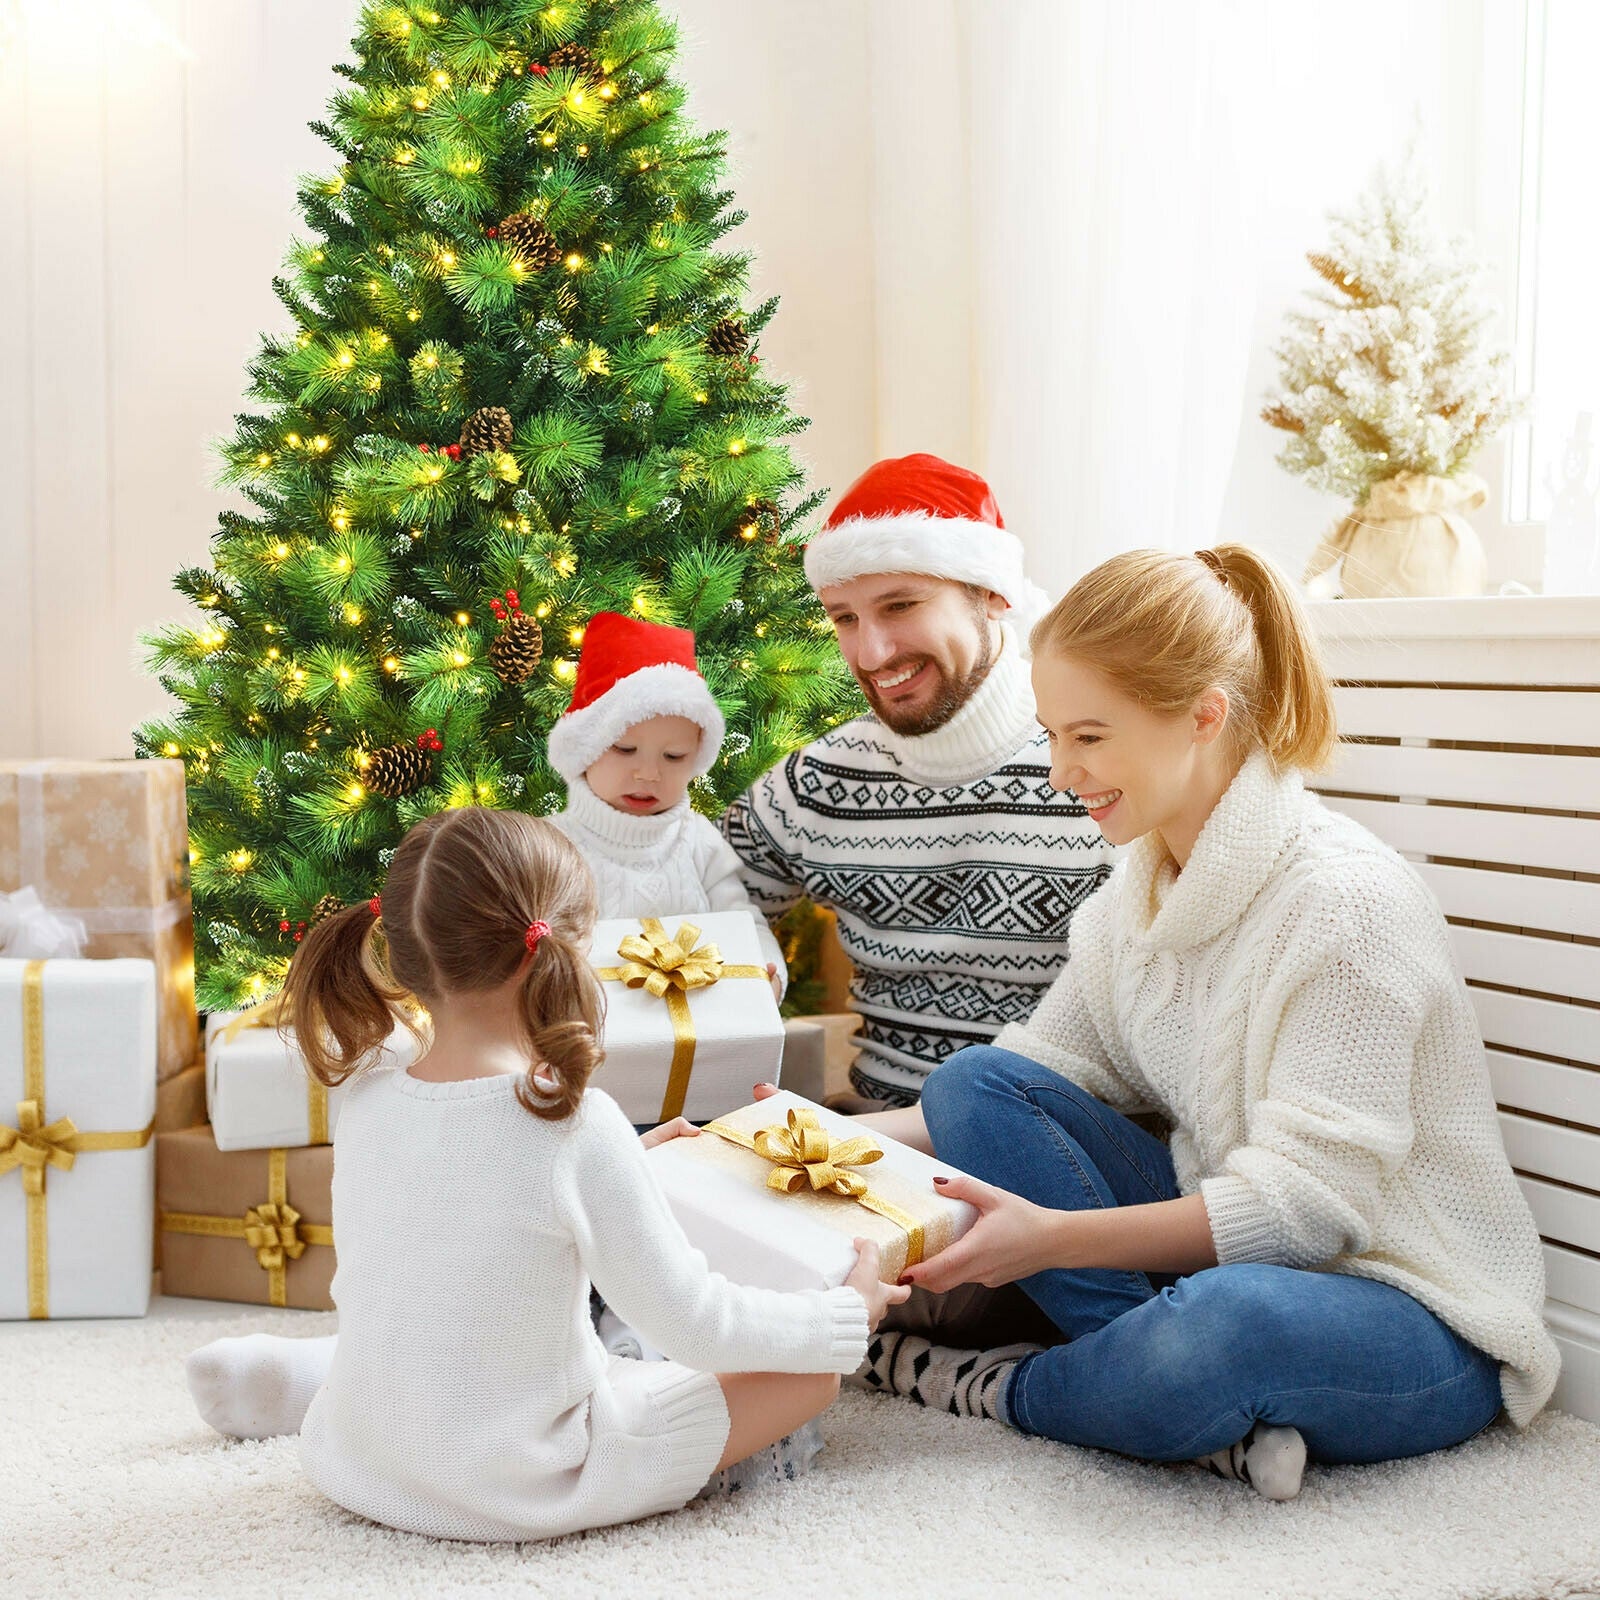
pixel 1067 197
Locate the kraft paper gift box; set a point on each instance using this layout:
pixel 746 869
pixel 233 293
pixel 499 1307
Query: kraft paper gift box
pixel 248 1225
pixel 691 1021
pixel 181 1099
pixel 723 1187
pixel 77 1112
pixel 107 842
pixel 258 1091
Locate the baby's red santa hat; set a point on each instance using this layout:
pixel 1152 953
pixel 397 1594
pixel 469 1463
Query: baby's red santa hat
pixel 628 672
pixel 922 515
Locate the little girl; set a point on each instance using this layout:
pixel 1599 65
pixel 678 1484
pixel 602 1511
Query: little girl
pixel 641 726
pixel 477 1194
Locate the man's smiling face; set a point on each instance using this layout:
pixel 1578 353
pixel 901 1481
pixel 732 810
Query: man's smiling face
pixel 918 646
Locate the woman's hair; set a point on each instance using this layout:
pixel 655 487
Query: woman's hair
pixel 1164 628
pixel 462 893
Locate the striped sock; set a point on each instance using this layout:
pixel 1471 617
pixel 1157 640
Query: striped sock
pixel 966 1383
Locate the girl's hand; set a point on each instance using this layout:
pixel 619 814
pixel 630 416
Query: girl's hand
pixel 864 1280
pixel 775 980
pixel 1010 1240
pixel 678 1128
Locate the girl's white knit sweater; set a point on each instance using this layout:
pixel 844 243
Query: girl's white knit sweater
pixel 470 1397
pixel 658 866
pixel 1289 1001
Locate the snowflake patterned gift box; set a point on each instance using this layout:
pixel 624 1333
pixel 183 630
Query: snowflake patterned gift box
pixel 77 1114
pixel 108 842
pixel 690 1018
pixel 777 1193
pixel 258 1091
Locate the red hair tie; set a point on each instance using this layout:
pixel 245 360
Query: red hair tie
pixel 536 931
pixel 375 905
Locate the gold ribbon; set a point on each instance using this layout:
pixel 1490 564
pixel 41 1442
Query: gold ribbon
pixel 34 1145
pixel 668 968
pixel 273 1012
pixel 805 1154
pixel 272 1229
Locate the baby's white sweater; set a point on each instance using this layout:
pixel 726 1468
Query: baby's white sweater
pixel 1290 1002
pixel 470 1397
pixel 658 866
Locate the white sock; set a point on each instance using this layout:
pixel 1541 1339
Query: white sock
pixel 621 1340
pixel 258 1386
pixel 1271 1460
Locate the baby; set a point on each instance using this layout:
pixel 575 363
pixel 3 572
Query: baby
pixel 641 726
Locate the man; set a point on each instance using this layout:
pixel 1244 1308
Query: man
pixel 929 827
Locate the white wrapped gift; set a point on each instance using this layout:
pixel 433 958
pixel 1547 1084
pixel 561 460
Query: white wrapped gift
pixel 259 1095
pixel 77 1111
pixel 691 1021
pixel 765 1193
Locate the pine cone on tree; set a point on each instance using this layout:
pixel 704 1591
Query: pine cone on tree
pixel 531 239
pixel 727 338
pixel 572 57
pixel 329 905
pixel 397 770
pixel 519 646
pixel 488 428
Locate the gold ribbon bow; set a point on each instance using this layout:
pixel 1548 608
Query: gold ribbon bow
pixel 272 1229
pixel 273 1012
pixel 668 967
pixel 35 1145
pixel 806 1155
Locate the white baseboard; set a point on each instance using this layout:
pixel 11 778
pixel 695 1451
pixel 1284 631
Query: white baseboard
pixel 1578 1334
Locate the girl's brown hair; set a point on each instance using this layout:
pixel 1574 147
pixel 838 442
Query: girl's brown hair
pixel 463 889
pixel 1164 628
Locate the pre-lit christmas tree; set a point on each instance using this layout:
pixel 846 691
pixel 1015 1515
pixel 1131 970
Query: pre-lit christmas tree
pixel 521 386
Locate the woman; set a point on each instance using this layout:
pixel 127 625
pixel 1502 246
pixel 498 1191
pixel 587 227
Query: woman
pixel 1332 1257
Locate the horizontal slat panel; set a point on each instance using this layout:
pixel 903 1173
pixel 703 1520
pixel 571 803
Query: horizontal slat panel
pixel 1553 966
pixel 1564 1216
pixel 1466 833
pixel 1484 777
pixel 1548 1087
pixel 1492 716
pixel 1568 1155
pixel 1572 1278
pixel 1547 1026
pixel 1516 899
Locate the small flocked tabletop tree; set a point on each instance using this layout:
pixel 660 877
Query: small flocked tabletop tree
pixel 520 386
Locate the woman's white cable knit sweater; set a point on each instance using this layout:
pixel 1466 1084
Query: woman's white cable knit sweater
pixel 658 866
pixel 1290 1002
pixel 470 1397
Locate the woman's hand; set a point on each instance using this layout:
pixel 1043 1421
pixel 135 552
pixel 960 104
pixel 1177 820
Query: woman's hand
pixel 1010 1240
pixel 864 1279
pixel 775 980
pixel 678 1128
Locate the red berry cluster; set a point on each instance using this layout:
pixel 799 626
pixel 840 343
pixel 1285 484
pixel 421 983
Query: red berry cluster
pixel 491 233
pixel 299 929
pixel 512 607
pixel 538 69
pixel 451 450
pixel 430 740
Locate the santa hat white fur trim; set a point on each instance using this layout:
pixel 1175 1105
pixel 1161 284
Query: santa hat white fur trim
pixel 580 738
pixel 959 548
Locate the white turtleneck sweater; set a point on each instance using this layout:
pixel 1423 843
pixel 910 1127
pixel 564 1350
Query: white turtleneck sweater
pixel 952 866
pixel 672 863
pixel 1289 1001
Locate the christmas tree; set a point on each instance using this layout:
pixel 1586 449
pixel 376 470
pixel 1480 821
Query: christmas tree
pixel 1394 369
pixel 520 386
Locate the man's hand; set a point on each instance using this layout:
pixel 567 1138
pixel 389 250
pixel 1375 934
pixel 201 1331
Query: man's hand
pixel 678 1128
pixel 1008 1241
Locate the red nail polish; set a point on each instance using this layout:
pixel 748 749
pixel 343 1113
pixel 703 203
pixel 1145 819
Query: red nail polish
pixel 941 1180
pixel 902 1281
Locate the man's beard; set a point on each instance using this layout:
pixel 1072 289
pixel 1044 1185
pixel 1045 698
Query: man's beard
pixel 952 694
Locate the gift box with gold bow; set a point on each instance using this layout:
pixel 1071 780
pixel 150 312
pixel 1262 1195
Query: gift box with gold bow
pixel 77 1107
pixel 691 1021
pixel 106 843
pixel 249 1225
pixel 258 1091
pixel 776 1194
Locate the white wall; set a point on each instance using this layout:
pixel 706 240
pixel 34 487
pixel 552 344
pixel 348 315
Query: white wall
pixel 154 197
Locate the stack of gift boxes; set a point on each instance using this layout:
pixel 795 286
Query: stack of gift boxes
pixel 124 1148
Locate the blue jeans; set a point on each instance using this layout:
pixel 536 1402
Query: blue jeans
pixel 1168 1369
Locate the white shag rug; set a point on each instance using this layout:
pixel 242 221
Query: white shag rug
pixel 109 1484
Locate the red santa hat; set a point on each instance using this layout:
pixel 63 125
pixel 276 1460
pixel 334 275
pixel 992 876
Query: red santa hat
pixel 920 514
pixel 628 672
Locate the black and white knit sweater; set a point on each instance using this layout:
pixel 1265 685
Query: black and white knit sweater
pixel 952 865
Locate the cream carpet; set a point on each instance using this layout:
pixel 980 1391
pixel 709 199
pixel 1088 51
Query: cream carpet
pixel 110 1485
